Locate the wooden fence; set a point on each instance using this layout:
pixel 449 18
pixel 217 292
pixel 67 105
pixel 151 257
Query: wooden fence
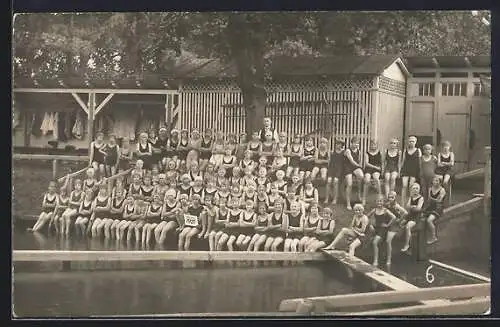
pixel 322 108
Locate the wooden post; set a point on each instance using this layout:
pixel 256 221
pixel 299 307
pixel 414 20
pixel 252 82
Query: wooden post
pixel 90 118
pixel 54 169
pixel 487 182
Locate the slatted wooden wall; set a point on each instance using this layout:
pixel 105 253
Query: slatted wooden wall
pixel 333 108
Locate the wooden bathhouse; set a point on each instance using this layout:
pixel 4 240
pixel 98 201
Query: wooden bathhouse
pixel 373 97
pixel 446 101
pixel 325 96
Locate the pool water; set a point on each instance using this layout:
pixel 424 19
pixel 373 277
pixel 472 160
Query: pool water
pixel 143 288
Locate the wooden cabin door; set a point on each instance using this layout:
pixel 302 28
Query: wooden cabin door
pixel 456 129
pixel 421 122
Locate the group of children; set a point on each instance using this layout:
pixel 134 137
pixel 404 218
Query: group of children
pixel 255 195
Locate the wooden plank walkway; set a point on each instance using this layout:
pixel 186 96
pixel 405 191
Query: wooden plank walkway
pixel 374 273
pixel 474 306
pixel 330 303
pixel 45 255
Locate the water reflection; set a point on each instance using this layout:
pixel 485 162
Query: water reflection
pixel 169 291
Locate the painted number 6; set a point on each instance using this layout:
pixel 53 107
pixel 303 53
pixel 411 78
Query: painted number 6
pixel 429 277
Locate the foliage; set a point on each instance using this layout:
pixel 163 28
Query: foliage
pixel 121 45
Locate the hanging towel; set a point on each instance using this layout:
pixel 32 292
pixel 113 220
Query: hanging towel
pixel 16 118
pixel 77 129
pixel 66 123
pixel 45 127
pixel 55 125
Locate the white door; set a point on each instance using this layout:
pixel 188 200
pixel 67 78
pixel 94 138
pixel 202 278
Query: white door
pixel 455 128
pixel 421 122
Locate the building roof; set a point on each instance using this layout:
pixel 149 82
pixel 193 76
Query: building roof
pixel 435 62
pixel 206 69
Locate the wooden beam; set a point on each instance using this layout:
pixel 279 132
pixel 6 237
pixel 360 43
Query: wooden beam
pixel 475 306
pixel 206 314
pixel 330 303
pixel 97 91
pixel 78 172
pixel 80 102
pixel 123 173
pixel 460 209
pixel 461 271
pixel 103 103
pixel 43 256
pixel 468 174
pixel 90 119
pixel 22 156
pixel 370 271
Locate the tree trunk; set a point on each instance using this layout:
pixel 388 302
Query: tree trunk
pixel 246 40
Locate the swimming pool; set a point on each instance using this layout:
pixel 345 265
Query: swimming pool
pixel 41 289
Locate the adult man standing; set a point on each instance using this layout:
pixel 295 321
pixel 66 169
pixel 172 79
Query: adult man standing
pixel 268 127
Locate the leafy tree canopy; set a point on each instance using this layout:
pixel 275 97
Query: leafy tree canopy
pixel 119 45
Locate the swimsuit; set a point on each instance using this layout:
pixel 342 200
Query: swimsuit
pixel 374 159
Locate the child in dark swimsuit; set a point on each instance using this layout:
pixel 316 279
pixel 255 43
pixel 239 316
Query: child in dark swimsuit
pixel 232 227
pixel 168 216
pixel 192 223
pixel 126 155
pixel 100 214
pixel 324 231
pixel 310 224
pixel 247 224
pixel 373 169
pixel 427 168
pixel 182 147
pixel 98 153
pixel 295 153
pixel 308 157
pixel 219 225
pixel 414 208
pixel 276 231
pixel 75 199
pixel 254 145
pixel 295 228
pixel 321 160
pixel 335 171
pixel 261 226
pixel 147 189
pixel 116 211
pixel 172 145
pixel 112 156
pixel 356 232
pixel 153 218
pixel 128 211
pixel 155 148
pixel 49 204
pixel 445 163
pixel 391 163
pixel 84 212
pixel 434 207
pixel 205 148
pixel 144 151
pixel 382 218
pixel 352 168
pixel 410 168
pixel 62 205
pixel 162 144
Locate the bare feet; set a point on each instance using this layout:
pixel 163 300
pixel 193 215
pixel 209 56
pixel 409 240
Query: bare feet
pixel 432 241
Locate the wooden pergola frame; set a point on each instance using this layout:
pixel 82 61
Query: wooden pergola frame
pixel 92 108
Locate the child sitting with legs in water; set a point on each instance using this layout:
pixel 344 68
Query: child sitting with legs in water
pixel 49 204
pixel 356 232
